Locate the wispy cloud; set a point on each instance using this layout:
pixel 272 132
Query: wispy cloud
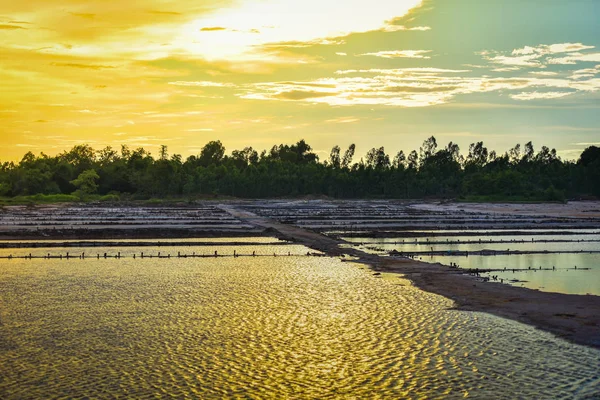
pixel 575 58
pixel 414 87
pixel 10 27
pixel 212 29
pixel 159 12
pixel 83 15
pixel 400 54
pixel 542 55
pixel 202 84
pixel 82 66
pixel 397 28
pixel 539 95
pixel 343 120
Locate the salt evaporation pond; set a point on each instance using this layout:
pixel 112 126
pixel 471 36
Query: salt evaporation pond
pixel 574 273
pixel 268 327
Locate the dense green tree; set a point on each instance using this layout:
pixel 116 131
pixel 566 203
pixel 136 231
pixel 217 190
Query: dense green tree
pixel 294 170
pixel 86 182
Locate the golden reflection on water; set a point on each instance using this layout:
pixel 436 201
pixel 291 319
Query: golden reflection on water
pixel 278 327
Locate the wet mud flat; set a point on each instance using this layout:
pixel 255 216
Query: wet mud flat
pixel 409 219
pixel 120 222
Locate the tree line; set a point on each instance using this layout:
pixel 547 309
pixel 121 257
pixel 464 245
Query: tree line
pixel 295 170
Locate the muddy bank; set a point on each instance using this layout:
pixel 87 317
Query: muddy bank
pixel 571 209
pixel 95 222
pixel 362 217
pixel 139 232
pixel 380 234
pixel 486 252
pixel 573 317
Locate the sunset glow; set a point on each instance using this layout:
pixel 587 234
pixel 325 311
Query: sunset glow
pixel 258 72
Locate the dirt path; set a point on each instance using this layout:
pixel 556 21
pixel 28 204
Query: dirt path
pixel 572 317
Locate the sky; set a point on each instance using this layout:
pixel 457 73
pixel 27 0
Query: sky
pixel 262 72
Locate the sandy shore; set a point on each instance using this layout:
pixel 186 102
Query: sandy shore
pixel 573 317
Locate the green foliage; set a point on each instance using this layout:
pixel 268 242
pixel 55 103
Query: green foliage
pixel 86 182
pixel 110 198
pixel 294 170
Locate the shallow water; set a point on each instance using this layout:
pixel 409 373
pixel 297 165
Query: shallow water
pixel 265 249
pixel 244 239
pixel 585 279
pixel 563 279
pixel 279 327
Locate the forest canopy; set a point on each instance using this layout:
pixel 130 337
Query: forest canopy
pixel 434 171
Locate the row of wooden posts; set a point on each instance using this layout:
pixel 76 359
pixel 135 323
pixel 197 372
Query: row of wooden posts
pixel 82 256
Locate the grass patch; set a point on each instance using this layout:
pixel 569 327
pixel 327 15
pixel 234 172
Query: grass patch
pixel 39 199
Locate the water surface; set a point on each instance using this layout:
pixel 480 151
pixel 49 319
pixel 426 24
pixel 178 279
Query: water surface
pixel 269 327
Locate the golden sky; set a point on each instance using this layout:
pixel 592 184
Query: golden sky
pixel 261 72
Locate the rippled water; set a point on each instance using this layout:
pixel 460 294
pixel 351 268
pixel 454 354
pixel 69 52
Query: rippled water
pixel 162 251
pixel 270 327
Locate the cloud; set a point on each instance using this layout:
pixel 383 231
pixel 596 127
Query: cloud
pixel 539 95
pixel 529 60
pixel 82 66
pixel 542 55
pixel 543 73
pixel 575 58
pixel 551 49
pixel 414 87
pixel 400 54
pixel 420 89
pixel 201 84
pixel 401 71
pixel 158 12
pixel 242 31
pixel 83 15
pixel 212 29
pixel 291 22
pixel 309 84
pixel 10 27
pixel 587 144
pixel 301 95
pixel 343 120
pixel 296 44
pixel 397 28
pixel 585 73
